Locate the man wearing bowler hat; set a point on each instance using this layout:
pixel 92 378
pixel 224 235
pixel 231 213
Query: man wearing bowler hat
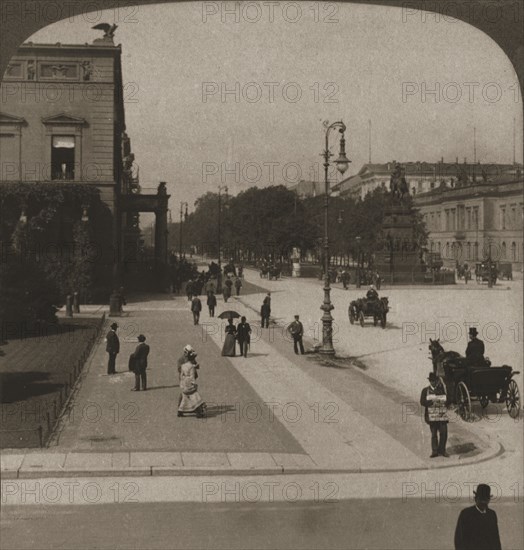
pixel 477 526
pixel 140 363
pixel 434 400
pixel 475 349
pixel 112 348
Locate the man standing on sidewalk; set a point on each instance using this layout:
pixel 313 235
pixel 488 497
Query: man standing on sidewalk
pixel 238 285
pixel 477 526
pixel 296 329
pixel 265 310
pixel 211 303
pixel 196 308
pixel 140 363
pixel 434 399
pixel 243 336
pixel 112 348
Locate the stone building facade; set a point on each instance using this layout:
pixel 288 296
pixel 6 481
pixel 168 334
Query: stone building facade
pixel 469 222
pixel 62 118
pixel 423 176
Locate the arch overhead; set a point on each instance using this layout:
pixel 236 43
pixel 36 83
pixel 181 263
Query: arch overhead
pixel 502 21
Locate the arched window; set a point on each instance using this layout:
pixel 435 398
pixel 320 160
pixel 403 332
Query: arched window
pixel 476 253
pixel 431 246
pixel 468 251
pixel 438 247
pixel 503 251
pixel 447 250
pixel 514 251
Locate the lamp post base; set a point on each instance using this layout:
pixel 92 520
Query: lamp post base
pixel 327 325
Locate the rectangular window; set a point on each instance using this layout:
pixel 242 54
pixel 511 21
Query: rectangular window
pixel 502 217
pixel 63 158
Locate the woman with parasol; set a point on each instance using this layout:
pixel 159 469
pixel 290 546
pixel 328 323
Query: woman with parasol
pixel 228 349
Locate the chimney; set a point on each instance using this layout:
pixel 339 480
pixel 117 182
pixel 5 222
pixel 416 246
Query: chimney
pixel 456 160
pixel 465 160
pixel 441 160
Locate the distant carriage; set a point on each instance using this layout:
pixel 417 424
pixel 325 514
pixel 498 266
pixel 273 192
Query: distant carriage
pixel 270 272
pixel 467 383
pixel 363 307
pixel 486 270
pixel 505 271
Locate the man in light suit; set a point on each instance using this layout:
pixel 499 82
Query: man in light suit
pixel 112 348
pixel 140 363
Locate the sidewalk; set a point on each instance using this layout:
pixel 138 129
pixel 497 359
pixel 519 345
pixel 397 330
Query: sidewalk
pixel 273 412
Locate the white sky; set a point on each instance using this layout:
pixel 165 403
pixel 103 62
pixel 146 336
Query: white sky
pixel 369 55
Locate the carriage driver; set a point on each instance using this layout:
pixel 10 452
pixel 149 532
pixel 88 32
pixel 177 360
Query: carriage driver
pixel 475 349
pixel 372 293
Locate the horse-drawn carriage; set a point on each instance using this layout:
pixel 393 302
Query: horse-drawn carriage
pixel 270 272
pixel 466 383
pixel 484 271
pixel 363 307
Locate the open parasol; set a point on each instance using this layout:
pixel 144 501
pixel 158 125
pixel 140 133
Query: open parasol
pixel 230 314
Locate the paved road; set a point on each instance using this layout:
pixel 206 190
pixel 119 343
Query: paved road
pixel 386 524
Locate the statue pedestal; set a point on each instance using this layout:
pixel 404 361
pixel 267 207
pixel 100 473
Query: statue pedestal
pixel 398 259
pixel 296 269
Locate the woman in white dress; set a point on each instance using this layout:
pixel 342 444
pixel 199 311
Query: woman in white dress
pixel 190 400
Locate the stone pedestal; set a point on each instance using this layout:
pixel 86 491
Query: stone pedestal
pixel 296 269
pixel 398 258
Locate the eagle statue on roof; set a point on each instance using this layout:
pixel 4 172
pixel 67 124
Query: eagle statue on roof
pixel 109 30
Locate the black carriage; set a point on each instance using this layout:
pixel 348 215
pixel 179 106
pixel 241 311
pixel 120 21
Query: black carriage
pixel 271 272
pixel 486 271
pixel 363 307
pixel 466 383
pixel 485 384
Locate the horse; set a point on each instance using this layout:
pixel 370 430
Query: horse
pixel 440 357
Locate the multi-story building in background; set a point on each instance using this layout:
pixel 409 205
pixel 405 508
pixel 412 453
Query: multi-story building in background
pixel 469 222
pixel 423 176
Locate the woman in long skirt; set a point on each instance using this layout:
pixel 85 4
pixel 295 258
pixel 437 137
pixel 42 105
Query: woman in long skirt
pixel 228 349
pixel 190 400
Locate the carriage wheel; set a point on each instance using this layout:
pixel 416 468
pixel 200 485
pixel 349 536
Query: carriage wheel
pixel 463 402
pixel 361 319
pixel 351 316
pixel 484 401
pixel 383 320
pixel 375 320
pixel 513 399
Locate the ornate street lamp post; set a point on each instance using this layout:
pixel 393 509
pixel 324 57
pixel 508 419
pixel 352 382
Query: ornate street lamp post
pixel 219 281
pixel 182 204
pixel 342 165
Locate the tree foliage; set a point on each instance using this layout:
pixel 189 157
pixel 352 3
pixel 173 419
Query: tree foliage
pixel 273 220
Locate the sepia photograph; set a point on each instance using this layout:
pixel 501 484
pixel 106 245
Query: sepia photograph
pixel 261 275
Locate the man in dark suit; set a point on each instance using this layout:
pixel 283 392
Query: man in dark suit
pixel 265 310
pixel 475 349
pixel 296 329
pixel 243 336
pixel 140 363
pixel 211 303
pixel 112 348
pixel 196 308
pixel 477 526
